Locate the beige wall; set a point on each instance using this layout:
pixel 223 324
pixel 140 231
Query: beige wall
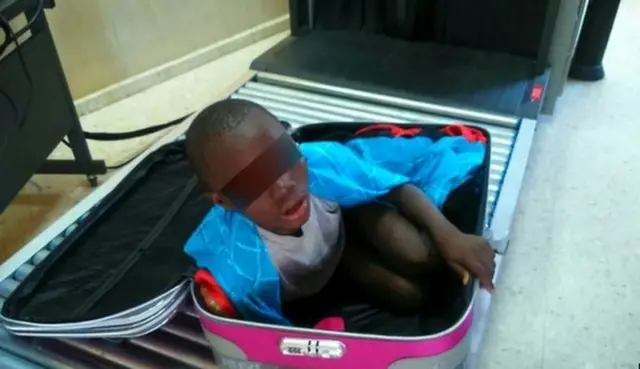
pixel 102 42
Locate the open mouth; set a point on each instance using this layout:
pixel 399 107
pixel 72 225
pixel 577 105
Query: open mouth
pixel 296 210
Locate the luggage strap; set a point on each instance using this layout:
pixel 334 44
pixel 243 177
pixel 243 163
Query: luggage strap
pixel 395 130
pixel 470 133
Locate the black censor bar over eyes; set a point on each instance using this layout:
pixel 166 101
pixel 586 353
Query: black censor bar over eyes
pixel 262 172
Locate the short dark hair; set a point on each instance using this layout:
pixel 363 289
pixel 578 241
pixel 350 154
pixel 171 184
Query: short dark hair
pixel 215 121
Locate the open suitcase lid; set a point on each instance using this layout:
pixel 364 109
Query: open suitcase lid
pixel 117 271
pixel 479 55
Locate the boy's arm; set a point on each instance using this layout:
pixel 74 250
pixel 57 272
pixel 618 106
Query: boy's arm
pixel 417 207
pixel 462 251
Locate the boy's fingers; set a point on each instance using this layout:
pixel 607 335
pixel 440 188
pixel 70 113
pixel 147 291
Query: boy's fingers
pixel 489 255
pixel 486 279
pixel 487 258
pixel 479 270
pixel 465 276
pixel 487 286
pixel 483 271
pixel 485 276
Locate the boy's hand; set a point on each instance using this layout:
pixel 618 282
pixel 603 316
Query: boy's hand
pixel 470 253
pixel 465 253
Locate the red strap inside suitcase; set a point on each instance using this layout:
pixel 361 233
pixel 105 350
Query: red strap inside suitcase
pixel 470 133
pixel 214 297
pixel 396 131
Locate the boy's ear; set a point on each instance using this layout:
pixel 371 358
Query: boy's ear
pixel 217 199
pixel 214 197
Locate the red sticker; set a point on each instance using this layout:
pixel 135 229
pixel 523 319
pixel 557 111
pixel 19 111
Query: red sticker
pixel 536 93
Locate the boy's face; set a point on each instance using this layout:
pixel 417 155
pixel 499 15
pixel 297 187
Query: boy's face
pixel 284 205
pixel 265 177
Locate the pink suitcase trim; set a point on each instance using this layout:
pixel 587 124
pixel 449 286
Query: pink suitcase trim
pixel 261 343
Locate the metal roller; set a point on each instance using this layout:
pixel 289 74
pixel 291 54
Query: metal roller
pixel 174 348
pixel 7 286
pixel 23 272
pixel 386 100
pixel 37 259
pixel 8 362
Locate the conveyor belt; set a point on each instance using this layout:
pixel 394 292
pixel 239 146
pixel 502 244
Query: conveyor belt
pixel 180 344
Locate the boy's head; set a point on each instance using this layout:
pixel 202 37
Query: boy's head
pixel 248 163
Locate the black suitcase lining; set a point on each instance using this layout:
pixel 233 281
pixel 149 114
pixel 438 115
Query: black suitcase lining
pixel 103 258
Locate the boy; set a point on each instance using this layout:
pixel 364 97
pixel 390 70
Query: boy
pixel 294 240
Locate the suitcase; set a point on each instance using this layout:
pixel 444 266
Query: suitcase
pixel 119 272
pixel 391 341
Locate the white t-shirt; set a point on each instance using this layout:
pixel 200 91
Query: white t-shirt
pixel 307 262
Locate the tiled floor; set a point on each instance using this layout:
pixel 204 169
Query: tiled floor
pixel 569 295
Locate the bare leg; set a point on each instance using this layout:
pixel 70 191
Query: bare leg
pixel 401 246
pixel 382 286
pixel 390 260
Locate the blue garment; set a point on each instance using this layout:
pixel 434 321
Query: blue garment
pixel 359 171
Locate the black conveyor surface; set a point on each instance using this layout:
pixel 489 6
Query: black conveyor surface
pixel 419 71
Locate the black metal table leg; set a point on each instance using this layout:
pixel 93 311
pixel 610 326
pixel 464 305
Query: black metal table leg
pixel 83 163
pixel 81 153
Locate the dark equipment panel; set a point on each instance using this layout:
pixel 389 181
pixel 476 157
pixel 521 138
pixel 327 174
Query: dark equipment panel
pixel 487 55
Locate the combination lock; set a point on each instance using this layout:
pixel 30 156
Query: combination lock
pixel 326 349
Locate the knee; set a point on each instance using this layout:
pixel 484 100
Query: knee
pixel 417 255
pixel 406 249
pixel 407 297
pixel 413 265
